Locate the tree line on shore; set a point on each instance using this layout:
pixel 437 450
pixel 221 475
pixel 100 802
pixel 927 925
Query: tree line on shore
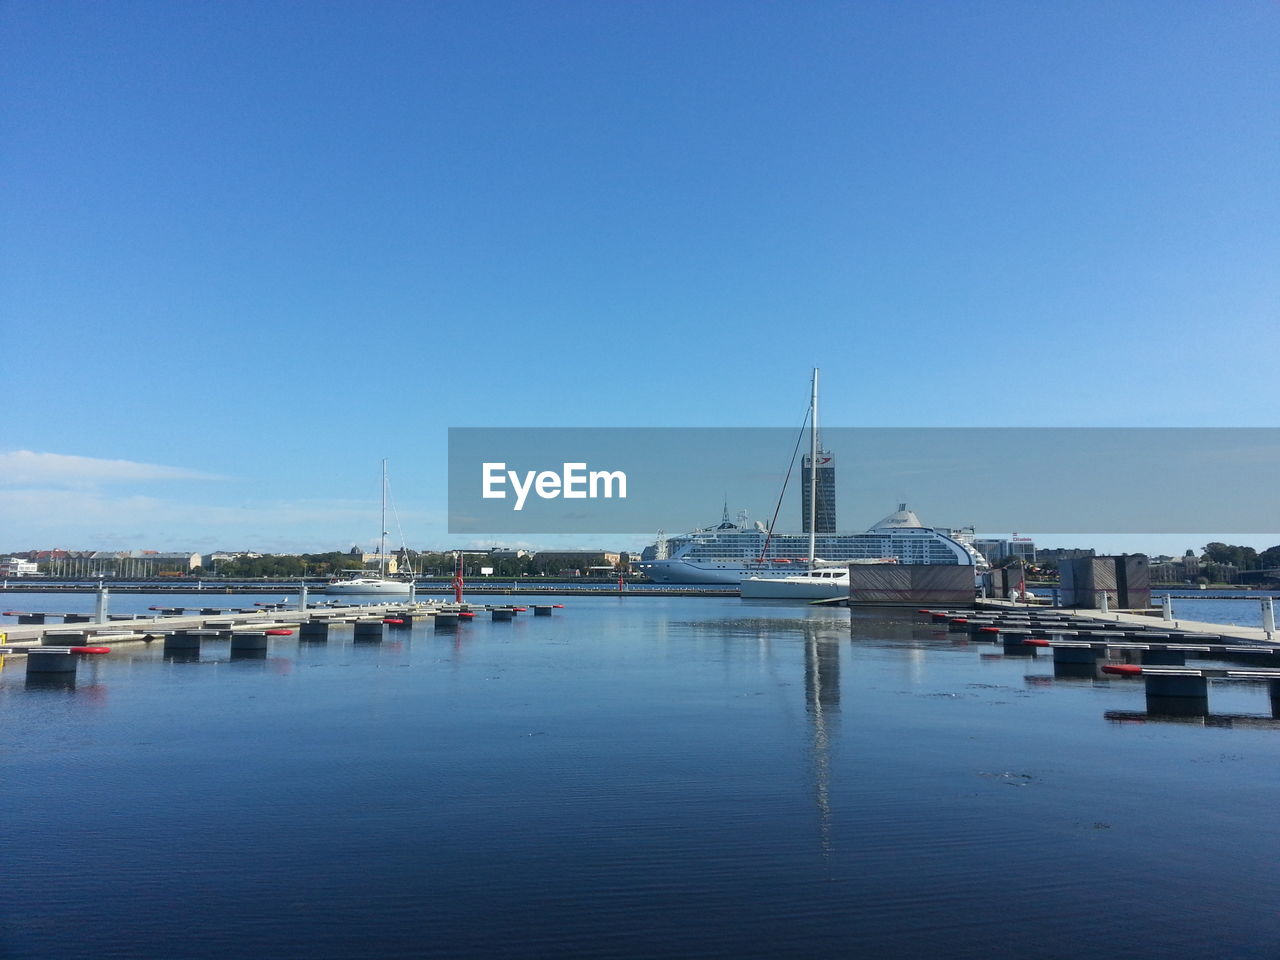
pixel 422 563
pixel 1218 562
pixel 1242 558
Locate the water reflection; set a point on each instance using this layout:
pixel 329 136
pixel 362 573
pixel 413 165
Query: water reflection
pixel 568 801
pixel 1196 720
pixel 822 704
pixel 821 639
pixel 51 681
pixel 1075 671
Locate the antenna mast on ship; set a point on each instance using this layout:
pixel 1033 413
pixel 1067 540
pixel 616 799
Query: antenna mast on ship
pixel 813 468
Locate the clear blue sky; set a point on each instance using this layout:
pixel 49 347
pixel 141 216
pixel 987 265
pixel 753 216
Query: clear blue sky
pixel 263 245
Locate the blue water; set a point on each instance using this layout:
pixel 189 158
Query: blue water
pixel 1241 608
pixel 632 778
pixel 133 603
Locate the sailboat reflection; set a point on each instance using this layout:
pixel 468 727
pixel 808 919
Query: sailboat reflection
pixel 822 704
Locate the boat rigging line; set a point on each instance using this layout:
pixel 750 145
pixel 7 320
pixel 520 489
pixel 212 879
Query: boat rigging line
pixel 404 547
pixel 791 466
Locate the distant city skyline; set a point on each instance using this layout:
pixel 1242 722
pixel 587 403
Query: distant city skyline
pixel 249 250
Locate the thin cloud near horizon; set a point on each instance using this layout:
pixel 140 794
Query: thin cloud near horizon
pixel 70 470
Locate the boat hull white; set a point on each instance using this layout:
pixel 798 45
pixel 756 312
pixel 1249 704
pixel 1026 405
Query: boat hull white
pixel 368 586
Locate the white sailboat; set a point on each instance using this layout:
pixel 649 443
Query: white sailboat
pixel 821 579
pixel 380 585
pixel 761 562
pixel 825 579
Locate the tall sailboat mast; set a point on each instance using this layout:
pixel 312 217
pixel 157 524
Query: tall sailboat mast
pixel 813 468
pixel 382 540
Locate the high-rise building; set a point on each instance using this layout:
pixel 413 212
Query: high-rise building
pixel 826 513
pixel 996 550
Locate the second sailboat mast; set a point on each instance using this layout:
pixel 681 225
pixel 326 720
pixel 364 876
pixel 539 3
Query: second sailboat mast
pixel 382 539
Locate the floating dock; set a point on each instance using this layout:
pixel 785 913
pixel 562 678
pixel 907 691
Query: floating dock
pixel 311 623
pixel 1133 620
pixel 1126 645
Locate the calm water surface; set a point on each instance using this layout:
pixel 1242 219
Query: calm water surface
pixel 632 778
pixel 1242 608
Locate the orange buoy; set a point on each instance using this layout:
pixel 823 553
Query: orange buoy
pixel 1036 642
pixel 278 633
pixel 392 620
pixel 90 649
pixel 1123 669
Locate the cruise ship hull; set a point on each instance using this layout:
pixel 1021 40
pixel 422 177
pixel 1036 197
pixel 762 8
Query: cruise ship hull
pixel 681 571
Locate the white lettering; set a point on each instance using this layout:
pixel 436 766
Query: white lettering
pixel 493 475
pixel 609 477
pixel 521 492
pixel 575 481
pixel 548 484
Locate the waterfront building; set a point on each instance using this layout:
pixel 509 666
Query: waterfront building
pixel 376 561
pixel 508 553
pixel 1059 554
pixel 1016 548
pixel 17 567
pixel 571 562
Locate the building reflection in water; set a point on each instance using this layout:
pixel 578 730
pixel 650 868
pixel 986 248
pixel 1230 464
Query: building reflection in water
pixel 822 704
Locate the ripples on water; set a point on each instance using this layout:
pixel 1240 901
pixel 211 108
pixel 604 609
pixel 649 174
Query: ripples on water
pixel 632 778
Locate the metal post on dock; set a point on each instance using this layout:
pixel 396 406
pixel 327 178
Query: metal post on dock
pixel 302 596
pixel 1166 605
pixel 100 608
pixel 1269 616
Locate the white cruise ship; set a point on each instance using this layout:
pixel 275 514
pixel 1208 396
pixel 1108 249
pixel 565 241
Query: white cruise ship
pixel 730 551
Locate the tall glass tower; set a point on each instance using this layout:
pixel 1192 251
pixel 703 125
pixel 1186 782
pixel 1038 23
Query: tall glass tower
pixel 826 512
